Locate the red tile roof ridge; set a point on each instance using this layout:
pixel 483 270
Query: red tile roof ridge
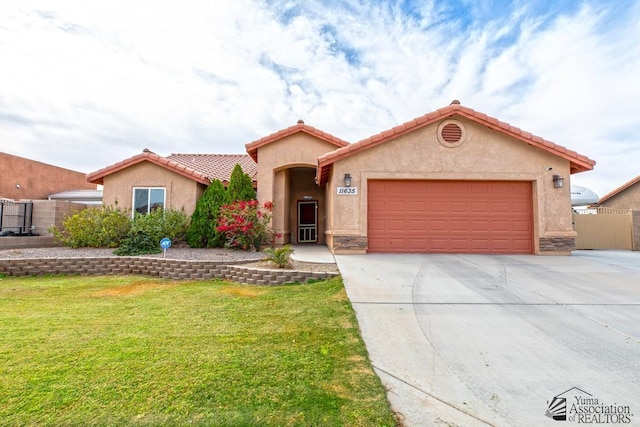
pixel 619 190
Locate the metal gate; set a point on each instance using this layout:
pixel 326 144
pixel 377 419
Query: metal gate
pixel 603 228
pixel 16 218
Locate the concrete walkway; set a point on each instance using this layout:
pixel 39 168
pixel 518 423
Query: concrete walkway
pixel 312 253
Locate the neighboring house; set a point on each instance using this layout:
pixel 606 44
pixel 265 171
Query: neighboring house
pixel 454 180
pixel 24 179
pixel 627 196
pixel 148 180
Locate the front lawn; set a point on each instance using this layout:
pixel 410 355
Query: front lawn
pixel 139 351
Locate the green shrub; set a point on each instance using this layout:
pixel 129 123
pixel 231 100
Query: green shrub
pixel 158 224
pixel 94 227
pixel 240 186
pixel 139 243
pixel 279 256
pixel 147 231
pixel 203 232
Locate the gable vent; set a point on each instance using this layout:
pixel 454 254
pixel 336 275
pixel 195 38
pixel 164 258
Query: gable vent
pixel 450 133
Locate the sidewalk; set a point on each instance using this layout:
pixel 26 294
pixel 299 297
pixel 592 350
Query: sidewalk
pixel 312 253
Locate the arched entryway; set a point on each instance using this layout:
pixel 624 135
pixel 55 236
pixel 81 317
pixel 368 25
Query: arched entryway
pixel 301 220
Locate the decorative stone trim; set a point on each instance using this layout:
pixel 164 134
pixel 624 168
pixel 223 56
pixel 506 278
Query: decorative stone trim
pixel 557 244
pixel 158 267
pixel 349 243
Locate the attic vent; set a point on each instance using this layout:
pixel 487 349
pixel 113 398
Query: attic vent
pixel 450 133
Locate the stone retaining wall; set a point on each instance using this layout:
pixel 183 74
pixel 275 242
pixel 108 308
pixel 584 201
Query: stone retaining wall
pixel 158 267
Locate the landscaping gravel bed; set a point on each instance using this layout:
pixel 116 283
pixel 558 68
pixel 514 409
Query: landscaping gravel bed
pixel 212 254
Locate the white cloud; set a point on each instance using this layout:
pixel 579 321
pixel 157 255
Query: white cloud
pixel 86 84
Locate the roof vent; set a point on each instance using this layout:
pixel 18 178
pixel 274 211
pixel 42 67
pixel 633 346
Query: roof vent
pixel 455 102
pixel 300 122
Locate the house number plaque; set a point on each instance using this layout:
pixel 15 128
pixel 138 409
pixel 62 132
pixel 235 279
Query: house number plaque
pixel 347 191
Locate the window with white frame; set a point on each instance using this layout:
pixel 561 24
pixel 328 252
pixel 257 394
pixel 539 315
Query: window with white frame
pixel 146 199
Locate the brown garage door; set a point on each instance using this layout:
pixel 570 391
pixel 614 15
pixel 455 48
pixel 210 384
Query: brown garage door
pixel 450 216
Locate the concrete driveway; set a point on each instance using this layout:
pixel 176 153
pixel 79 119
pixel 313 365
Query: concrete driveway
pixel 491 340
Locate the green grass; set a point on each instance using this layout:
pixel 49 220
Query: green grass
pixel 143 352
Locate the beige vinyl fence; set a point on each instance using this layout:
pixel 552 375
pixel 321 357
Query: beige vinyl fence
pixel 603 228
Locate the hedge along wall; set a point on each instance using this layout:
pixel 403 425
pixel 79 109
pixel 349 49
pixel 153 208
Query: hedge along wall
pixel 158 267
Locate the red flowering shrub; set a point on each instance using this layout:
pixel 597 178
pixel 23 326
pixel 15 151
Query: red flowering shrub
pixel 244 224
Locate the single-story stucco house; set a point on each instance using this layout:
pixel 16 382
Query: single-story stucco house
pixel 451 181
pixel 627 196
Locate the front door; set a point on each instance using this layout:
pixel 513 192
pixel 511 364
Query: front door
pixel 308 222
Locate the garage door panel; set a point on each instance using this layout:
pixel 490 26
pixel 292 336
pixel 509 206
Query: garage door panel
pixel 397 225
pixel 520 207
pixel 480 244
pixel 450 216
pixel 417 206
pixel 458 207
pixel 418 225
pixel 521 226
pixel 437 206
pixel 479 207
pixel 437 225
pixel 417 244
pixel 396 207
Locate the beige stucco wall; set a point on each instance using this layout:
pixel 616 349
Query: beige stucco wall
pixel 181 192
pixel 627 199
pixel 274 179
pixel 484 155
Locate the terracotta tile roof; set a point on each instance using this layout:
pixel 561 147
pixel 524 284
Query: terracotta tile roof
pixel 202 168
pixel 578 162
pixel 619 190
pixel 252 147
pixel 217 166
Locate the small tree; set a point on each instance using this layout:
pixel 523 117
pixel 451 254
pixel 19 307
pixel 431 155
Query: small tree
pixel 203 232
pixel 245 225
pixel 240 185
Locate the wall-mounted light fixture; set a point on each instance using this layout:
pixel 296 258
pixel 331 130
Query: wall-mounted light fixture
pixel 347 180
pixel 558 181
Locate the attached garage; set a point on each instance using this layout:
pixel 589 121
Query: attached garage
pixel 450 216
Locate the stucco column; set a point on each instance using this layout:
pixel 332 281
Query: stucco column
pixel 280 221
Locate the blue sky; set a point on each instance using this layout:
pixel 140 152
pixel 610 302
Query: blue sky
pixel 86 84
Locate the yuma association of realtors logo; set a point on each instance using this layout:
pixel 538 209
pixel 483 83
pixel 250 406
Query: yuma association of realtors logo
pixel 576 405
